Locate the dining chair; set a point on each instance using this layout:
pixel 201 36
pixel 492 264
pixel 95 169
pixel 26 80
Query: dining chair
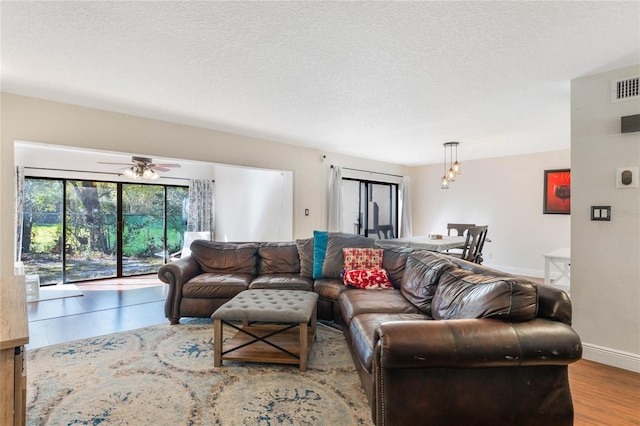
pixel 472 250
pixel 460 228
pixel 385 232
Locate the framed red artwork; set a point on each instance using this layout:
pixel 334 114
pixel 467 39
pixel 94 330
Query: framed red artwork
pixel 557 191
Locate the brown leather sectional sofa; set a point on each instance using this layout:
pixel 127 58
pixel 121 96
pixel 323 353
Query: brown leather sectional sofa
pixel 454 343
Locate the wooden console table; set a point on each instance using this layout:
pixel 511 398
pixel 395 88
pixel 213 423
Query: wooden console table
pixel 14 334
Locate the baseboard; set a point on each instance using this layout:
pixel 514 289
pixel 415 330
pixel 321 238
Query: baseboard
pixel 515 271
pixel 612 357
pixel 562 285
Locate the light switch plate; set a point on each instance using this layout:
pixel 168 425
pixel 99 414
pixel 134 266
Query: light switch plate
pixel 601 213
pixel 627 177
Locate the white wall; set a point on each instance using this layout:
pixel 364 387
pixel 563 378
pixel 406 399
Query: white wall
pixel 605 258
pixel 36 120
pixel 505 194
pixel 253 204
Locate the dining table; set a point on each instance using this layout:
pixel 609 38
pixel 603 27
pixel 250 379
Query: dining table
pixel 447 242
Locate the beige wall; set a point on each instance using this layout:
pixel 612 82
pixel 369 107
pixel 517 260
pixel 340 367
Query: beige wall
pixel 506 194
pixel 36 120
pixel 605 255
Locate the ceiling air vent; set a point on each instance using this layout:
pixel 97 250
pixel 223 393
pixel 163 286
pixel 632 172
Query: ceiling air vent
pixel 626 89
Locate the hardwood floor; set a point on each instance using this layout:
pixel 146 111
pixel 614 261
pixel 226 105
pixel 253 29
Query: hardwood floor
pixel 602 395
pixel 106 306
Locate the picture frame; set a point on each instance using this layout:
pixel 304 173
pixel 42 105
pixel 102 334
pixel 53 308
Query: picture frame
pixel 557 191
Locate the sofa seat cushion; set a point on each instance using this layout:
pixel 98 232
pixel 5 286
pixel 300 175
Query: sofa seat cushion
pixel 358 301
pixel 463 294
pixel 216 286
pixel 362 332
pixel 282 282
pixel 330 288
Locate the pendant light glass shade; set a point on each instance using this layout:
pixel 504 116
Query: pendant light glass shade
pixel 454 167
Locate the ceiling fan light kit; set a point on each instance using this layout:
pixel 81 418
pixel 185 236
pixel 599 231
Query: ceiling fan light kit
pixel 138 172
pixel 144 168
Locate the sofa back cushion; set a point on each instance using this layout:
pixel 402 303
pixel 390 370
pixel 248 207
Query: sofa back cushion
pixel 394 261
pixel 226 257
pixel 305 253
pixel 464 294
pixel 334 257
pixel 278 258
pixel 421 275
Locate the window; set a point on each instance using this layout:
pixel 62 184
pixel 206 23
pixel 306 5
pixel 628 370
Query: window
pixel 77 230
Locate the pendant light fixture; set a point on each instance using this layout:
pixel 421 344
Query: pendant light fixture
pixel 454 167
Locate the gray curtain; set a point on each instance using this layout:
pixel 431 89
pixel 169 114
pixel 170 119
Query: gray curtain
pixel 334 216
pixel 201 215
pixel 405 208
pixel 19 207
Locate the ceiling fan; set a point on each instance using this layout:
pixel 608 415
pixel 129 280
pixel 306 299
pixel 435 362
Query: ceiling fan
pixel 143 168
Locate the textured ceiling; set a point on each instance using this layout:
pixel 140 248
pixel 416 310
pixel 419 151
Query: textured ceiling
pixel 389 81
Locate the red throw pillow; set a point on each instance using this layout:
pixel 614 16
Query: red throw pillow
pixel 370 278
pixel 362 258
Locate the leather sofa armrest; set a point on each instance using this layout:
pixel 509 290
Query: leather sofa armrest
pixel 554 304
pixel 180 271
pixel 475 343
pixel 176 274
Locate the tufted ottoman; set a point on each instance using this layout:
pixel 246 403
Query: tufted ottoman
pixel 268 332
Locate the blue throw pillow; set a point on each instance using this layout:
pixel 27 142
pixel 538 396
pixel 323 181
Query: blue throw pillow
pixel 319 252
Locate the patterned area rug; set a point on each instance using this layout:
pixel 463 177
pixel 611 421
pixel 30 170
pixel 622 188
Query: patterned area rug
pixel 164 375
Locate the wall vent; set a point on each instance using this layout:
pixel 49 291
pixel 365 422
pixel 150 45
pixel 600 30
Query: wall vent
pixel 625 89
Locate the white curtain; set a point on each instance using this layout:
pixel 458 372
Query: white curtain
pixel 19 207
pixel 201 206
pixel 334 216
pixel 405 208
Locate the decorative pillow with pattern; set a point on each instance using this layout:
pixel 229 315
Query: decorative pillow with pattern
pixel 370 278
pixel 362 258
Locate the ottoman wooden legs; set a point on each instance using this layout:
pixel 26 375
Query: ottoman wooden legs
pixel 274 343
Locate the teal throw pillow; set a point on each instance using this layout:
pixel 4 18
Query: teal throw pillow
pixel 319 252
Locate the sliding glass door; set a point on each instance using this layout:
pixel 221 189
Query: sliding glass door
pixel 144 219
pixel 78 230
pixel 42 227
pixel 368 204
pixel 90 247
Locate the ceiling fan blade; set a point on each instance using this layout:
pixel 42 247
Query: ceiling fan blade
pixel 163 165
pixel 160 169
pixel 118 164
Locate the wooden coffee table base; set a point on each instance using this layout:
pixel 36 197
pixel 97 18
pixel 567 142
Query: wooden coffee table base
pixel 259 342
